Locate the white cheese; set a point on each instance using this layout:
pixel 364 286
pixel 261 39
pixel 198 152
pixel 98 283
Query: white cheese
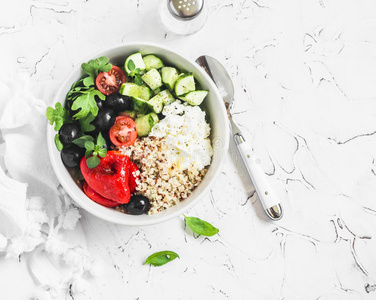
pixel 186 133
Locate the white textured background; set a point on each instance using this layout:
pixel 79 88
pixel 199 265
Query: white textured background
pixel 305 80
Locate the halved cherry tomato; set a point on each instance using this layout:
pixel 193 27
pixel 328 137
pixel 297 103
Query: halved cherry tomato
pixel 123 132
pixel 110 82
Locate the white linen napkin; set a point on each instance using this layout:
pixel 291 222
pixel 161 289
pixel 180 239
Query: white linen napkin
pixel 36 214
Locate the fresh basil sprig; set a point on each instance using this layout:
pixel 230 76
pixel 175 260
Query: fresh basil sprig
pixel 92 150
pixel 160 258
pixel 135 72
pixel 200 226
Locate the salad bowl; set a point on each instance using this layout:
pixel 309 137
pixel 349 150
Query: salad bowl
pixel 213 106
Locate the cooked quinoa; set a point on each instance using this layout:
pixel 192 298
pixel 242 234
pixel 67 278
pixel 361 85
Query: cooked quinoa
pixel 160 180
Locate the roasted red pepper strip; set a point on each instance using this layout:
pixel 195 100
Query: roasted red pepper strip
pixel 110 178
pixel 93 195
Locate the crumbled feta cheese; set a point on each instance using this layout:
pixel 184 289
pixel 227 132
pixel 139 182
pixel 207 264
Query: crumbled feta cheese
pixel 186 134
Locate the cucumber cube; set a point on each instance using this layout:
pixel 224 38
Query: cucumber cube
pixel 139 105
pixel 156 104
pixel 169 77
pixel 145 123
pixel 184 84
pixel 137 61
pixel 152 62
pixel 194 97
pixel 153 79
pixel 133 90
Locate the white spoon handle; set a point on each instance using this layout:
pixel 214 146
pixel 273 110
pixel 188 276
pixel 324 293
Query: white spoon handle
pixel 266 194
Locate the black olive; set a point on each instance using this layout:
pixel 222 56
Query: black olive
pixel 138 205
pixel 69 132
pixel 99 102
pixel 104 120
pixel 71 156
pixel 118 102
pixel 161 116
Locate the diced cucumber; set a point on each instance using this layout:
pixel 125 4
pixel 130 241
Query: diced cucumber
pixel 134 90
pixel 169 77
pixel 145 123
pixel 129 113
pixel 137 60
pixel 155 118
pixel 152 62
pixel 153 79
pixel 184 84
pixel 166 97
pixel 139 105
pixel 194 97
pixel 156 104
pixel 157 91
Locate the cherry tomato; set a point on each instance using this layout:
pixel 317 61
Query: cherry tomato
pixel 123 132
pixel 110 82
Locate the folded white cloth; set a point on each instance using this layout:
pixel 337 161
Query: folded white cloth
pixel 36 215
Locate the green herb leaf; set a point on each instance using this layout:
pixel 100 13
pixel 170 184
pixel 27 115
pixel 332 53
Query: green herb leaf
pixel 59 115
pixel 85 123
pixel 138 80
pixel 100 140
pixel 93 161
pixel 160 258
pixel 89 145
pixel 88 153
pixel 94 67
pixel 80 142
pixel 131 66
pixel 86 102
pixel 102 152
pixel 200 226
pixel 58 144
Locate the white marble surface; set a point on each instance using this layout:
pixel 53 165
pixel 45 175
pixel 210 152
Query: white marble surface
pixel 305 80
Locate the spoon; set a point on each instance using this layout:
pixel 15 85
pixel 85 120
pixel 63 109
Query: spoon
pixel 266 195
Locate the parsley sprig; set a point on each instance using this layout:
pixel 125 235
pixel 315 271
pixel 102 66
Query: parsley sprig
pixel 135 72
pixel 59 115
pixel 93 150
pixel 94 67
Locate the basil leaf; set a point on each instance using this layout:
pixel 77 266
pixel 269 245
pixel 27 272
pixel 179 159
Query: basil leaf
pixel 58 144
pixel 160 258
pixel 102 152
pixel 100 140
pixel 131 66
pixel 88 153
pixel 89 145
pixel 93 161
pixel 200 226
pixel 80 142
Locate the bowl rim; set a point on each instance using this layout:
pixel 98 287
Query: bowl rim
pixel 63 180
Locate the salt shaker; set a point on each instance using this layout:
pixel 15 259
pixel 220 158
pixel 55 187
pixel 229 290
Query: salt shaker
pixel 183 17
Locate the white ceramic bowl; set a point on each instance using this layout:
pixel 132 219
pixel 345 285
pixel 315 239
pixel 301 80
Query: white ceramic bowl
pixel 219 135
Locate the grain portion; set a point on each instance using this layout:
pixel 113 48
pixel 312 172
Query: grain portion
pixel 161 180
